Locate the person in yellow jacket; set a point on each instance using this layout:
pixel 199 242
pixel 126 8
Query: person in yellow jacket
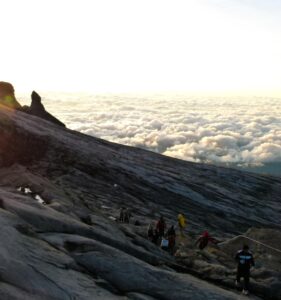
pixel 181 223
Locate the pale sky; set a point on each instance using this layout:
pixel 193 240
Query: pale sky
pixel 200 46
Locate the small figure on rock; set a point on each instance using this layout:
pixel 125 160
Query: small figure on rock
pixel 245 261
pixel 160 227
pixel 150 231
pixel 181 223
pixel 204 239
pixel 171 234
pixel 127 215
pixel 121 215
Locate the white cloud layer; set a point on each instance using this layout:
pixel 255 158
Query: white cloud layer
pixel 230 131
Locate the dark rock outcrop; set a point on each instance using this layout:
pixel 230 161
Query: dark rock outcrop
pixel 7 95
pixel 37 109
pixel 7 98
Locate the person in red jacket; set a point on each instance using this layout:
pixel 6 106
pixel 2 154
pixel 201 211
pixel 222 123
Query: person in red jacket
pixel 204 239
pixel 160 227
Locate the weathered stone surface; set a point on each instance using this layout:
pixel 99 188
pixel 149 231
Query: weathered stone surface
pixel 71 248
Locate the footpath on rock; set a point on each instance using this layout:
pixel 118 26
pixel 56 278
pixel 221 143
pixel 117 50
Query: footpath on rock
pixel 61 193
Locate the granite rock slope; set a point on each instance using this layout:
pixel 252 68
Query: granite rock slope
pixel 69 245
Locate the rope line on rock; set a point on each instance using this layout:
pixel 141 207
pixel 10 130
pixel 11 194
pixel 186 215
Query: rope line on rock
pixel 275 249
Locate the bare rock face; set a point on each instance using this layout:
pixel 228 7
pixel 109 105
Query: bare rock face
pixel 7 95
pixel 67 244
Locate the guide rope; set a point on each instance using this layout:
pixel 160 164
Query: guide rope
pixel 265 245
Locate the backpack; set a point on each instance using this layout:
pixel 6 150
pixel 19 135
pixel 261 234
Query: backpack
pixel 164 243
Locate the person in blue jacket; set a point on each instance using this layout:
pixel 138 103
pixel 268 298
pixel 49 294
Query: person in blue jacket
pixel 245 261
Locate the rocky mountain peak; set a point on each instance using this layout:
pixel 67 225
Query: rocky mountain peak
pixel 7 98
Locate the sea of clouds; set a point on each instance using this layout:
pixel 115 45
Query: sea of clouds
pixel 243 132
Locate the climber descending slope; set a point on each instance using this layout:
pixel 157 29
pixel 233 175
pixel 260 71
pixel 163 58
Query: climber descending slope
pixel 245 261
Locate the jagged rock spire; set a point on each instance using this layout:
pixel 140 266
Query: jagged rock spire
pixel 36 104
pixel 37 109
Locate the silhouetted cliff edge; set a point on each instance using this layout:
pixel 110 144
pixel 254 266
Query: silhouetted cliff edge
pixel 7 98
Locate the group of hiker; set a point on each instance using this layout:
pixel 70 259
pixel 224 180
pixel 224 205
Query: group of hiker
pixel 158 235
pixel 166 239
pixel 125 215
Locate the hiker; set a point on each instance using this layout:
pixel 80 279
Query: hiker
pixel 121 216
pixel 204 239
pixel 245 261
pixel 181 223
pixel 127 215
pixel 171 234
pixel 152 234
pixel 161 226
pixel 155 237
